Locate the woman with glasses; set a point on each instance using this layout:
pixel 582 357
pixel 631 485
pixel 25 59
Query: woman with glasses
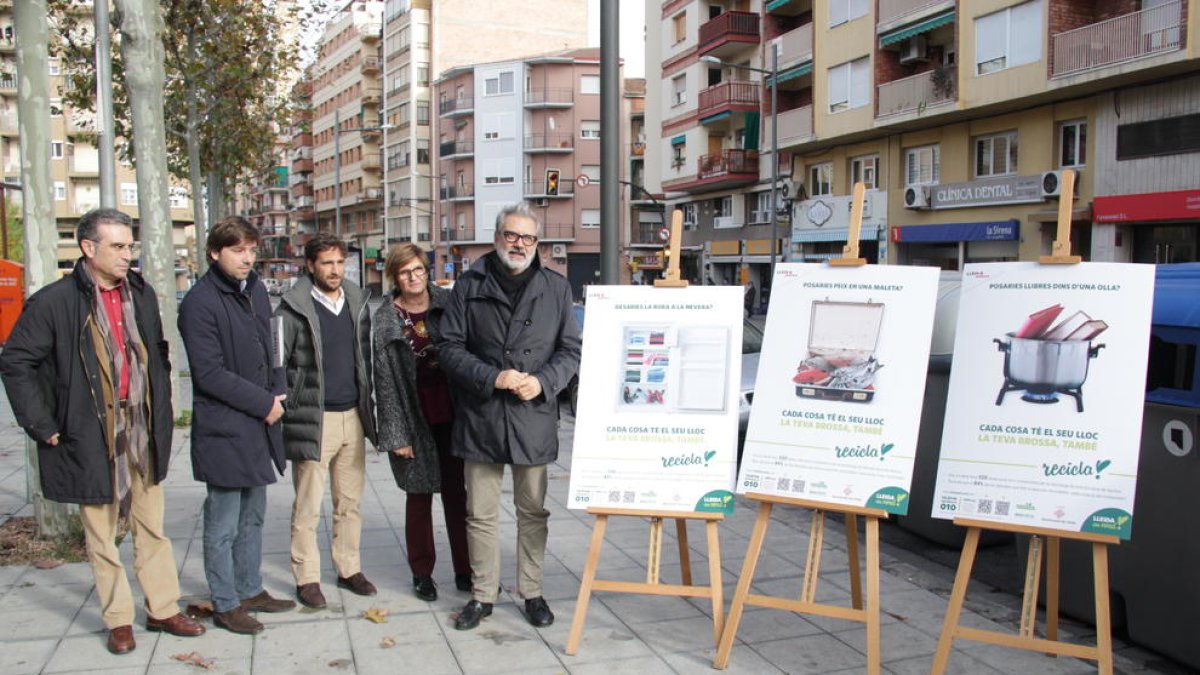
pixel 415 417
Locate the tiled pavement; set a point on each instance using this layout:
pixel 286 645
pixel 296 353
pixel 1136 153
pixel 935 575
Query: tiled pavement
pixel 50 619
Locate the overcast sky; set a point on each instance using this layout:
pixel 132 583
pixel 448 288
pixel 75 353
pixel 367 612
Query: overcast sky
pixel 633 39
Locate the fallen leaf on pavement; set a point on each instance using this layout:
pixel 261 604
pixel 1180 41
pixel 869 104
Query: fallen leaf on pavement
pixel 376 615
pixel 387 642
pixel 46 563
pixel 194 659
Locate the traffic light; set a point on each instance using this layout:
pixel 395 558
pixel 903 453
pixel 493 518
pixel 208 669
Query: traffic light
pixel 552 182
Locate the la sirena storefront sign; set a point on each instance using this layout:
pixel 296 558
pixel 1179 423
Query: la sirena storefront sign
pixel 988 192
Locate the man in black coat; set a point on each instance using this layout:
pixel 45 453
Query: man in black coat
pixel 237 439
pixel 509 344
pixel 329 414
pixel 89 379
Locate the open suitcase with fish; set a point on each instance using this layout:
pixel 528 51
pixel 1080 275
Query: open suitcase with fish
pixel 840 364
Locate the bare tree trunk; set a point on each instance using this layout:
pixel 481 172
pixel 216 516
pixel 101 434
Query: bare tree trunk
pixel 142 51
pixel 41 230
pixel 194 177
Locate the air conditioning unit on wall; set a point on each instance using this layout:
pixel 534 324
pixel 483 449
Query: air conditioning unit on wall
pixel 916 197
pixel 558 251
pixel 1052 183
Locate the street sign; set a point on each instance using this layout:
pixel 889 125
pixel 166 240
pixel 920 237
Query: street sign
pixel 448 268
pixel 664 234
pixel 582 180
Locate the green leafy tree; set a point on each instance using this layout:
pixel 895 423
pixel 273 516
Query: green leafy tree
pixel 225 62
pixel 16 231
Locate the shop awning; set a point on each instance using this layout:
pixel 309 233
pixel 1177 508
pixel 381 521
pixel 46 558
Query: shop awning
pixel 868 233
pixel 679 139
pixel 996 230
pixel 776 4
pixel 916 29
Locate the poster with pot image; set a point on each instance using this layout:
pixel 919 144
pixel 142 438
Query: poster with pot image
pixel 656 420
pixel 1043 415
pixel 837 399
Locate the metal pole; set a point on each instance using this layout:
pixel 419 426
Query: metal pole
pixel 106 141
pixel 337 173
pixel 610 144
pixel 774 157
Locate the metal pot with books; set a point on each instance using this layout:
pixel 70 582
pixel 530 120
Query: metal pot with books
pixel 1047 362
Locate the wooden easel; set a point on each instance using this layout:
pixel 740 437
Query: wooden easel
pixel 812 567
pixel 1025 638
pixel 807 602
pixel 653 584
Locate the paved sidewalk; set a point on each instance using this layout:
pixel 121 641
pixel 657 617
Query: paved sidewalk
pixel 50 619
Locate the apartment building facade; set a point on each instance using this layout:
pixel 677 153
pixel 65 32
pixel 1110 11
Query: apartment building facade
pixel 521 130
pixel 347 179
pixel 75 160
pixel 959 118
pixel 423 38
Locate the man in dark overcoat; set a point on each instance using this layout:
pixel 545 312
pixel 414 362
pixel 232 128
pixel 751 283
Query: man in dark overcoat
pixel 509 344
pixel 237 439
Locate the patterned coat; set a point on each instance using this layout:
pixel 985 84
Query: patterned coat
pixel 400 422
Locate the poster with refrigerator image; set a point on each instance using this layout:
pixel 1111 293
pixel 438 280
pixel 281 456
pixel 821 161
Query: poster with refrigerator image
pixel 1043 415
pixel 841 378
pixel 656 422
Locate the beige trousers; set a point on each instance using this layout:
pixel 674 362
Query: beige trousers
pixel 153 561
pixel 343 461
pixel 483 520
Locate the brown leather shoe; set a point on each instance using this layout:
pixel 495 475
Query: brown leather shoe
pixel 310 595
pixel 120 640
pixel 180 625
pixel 263 602
pixel 357 584
pixel 238 621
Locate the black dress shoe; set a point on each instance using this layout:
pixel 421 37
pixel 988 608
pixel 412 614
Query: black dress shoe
pixel 425 588
pixel 471 614
pixel 463 583
pixel 538 613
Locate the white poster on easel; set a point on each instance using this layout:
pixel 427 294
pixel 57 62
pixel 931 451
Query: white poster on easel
pixel 656 426
pixel 841 377
pixel 1043 416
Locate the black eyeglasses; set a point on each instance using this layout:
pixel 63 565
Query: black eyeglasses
pixel 512 237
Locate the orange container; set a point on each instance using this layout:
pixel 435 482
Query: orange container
pixel 12 296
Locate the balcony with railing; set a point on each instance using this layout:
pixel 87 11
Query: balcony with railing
pixel 730 165
pixel 1133 36
pixel 369 64
pixel 8 83
pixel 371 161
pixel 896 13
pixel 795 127
pixel 728 33
pixel 302 165
pixel 730 96
pixel 371 96
pixel 931 91
pixel 456 106
pixel 555 143
pixel 796 47
pixel 451 149
pixel 550 97
pixel 457 193
pixel 302 190
pixel 537 188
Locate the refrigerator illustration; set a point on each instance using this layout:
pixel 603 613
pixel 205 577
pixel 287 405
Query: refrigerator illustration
pixel 667 368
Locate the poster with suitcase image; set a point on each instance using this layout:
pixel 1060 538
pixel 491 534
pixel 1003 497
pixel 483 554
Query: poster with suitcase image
pixel 656 421
pixel 1043 416
pixel 837 400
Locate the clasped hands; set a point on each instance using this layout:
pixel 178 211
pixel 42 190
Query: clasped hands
pixel 526 386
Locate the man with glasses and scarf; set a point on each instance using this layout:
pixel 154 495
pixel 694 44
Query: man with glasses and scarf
pixel 88 376
pixel 508 344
